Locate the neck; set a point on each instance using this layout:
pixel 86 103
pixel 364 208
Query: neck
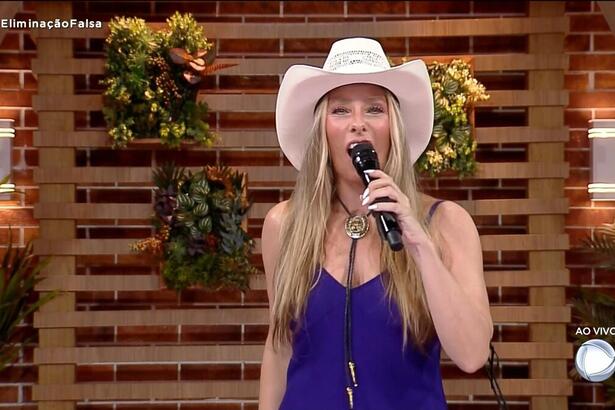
pixel 348 193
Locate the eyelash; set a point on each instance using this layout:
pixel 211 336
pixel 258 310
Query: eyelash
pixel 377 107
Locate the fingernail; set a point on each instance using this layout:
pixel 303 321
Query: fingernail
pixel 372 206
pixel 366 200
pixel 365 193
pixel 369 171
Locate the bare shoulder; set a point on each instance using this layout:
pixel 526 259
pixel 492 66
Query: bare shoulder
pixel 270 242
pixel 276 214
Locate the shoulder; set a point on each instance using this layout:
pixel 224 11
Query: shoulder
pixel 453 222
pixel 272 224
pixel 276 214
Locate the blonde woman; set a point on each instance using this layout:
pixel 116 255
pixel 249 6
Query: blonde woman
pixel 374 343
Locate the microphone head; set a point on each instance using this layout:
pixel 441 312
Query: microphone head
pixel 364 157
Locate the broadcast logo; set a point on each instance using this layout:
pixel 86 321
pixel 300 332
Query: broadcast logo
pixel 595 360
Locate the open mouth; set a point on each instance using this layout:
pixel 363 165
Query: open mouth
pixel 354 144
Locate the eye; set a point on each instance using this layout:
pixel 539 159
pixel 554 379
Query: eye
pixel 376 108
pixel 338 109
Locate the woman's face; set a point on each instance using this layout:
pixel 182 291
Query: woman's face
pixel 356 112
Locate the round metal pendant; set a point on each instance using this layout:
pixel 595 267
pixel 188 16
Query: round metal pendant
pixel 357 226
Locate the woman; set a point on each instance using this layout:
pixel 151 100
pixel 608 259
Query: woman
pixel 405 305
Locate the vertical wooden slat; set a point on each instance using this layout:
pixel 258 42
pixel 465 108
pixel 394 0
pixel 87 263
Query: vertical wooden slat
pixel 65 193
pixel 547 189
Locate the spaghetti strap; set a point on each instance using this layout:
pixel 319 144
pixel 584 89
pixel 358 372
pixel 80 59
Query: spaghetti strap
pixel 432 209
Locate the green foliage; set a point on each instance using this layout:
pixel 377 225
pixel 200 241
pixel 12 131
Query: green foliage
pixel 199 236
pixel 452 146
pixel 19 274
pixel 146 94
pixel 595 309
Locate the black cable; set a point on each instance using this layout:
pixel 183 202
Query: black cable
pixel 492 379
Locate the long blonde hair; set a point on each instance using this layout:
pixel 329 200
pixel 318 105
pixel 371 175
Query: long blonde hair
pixel 304 228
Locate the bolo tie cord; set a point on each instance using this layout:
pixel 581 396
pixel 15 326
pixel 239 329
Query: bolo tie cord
pixel 350 365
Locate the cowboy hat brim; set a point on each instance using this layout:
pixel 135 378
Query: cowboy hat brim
pixel 303 85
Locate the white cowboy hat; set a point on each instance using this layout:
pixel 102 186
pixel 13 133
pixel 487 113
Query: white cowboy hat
pixel 353 60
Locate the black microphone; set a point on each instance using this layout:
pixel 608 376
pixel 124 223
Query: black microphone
pixel 364 157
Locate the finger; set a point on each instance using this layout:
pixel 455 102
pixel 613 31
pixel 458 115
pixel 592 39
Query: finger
pixel 386 191
pixel 386 206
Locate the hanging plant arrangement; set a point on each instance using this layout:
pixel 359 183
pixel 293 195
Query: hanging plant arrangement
pixel 152 79
pixel 452 146
pixel 199 239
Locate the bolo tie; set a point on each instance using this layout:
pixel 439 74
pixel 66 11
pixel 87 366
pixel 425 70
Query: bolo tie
pixel 356 227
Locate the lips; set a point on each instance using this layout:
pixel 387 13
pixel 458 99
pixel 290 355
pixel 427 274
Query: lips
pixel 352 144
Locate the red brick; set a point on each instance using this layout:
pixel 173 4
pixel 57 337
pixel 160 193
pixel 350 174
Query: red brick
pixel 577 157
pixel 580 276
pixel 150 372
pixel 274 19
pixel 439 7
pixel 500 44
pixel 23 138
pixel 590 217
pixel 591 99
pixel 604 80
pixel 373 8
pixel 510 6
pixel 580 62
pixel 577 6
pixel 436 45
pixel 249 7
pixel 604 113
pixel 313 7
pixel 213 333
pixel 17 98
pixel 10 41
pixel 515 333
pixel 251 47
pixel 578 178
pixel 578 197
pixel 15 61
pixel 604 42
pixel 30 118
pixel 577 118
pixel 576 81
pixel 605 277
pixel 9 394
pixel 576 42
pixel 210 372
pixel 578 139
pixel 195 7
pixel 9 81
pixel 18 217
pixel 255 333
pixel 588 22
pixel 514 295
pixel 31 157
pixel 251 83
pixel 307 45
pixel 94 373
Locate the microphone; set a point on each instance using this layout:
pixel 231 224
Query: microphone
pixel 363 156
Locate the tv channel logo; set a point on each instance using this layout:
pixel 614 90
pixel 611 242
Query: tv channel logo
pixel 595 360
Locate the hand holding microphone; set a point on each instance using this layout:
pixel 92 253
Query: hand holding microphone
pixel 364 158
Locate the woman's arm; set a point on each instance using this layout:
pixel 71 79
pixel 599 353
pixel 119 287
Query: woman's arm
pixel 456 293
pixel 274 364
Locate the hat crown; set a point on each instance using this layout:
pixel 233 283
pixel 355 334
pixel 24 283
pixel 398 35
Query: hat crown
pixel 356 55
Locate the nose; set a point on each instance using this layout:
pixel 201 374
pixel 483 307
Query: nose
pixel 357 124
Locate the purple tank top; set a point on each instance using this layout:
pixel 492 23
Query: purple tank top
pixel 388 378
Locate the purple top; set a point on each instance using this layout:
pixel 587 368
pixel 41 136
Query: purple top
pixel 388 379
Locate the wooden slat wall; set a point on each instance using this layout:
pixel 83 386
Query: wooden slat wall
pixel 124 275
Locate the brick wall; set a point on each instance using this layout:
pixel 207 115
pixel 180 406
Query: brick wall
pixel 590 45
